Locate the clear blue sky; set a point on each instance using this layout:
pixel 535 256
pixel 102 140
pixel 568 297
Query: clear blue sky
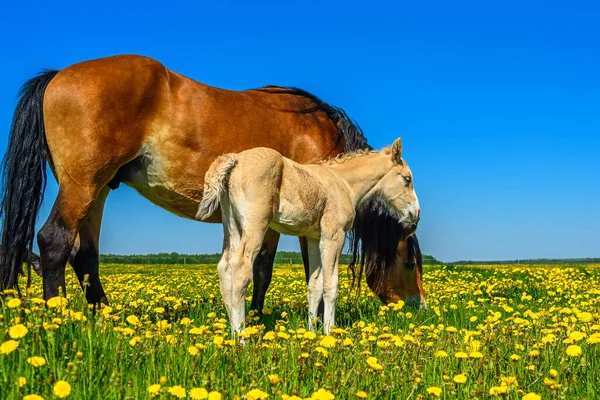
pixel 498 103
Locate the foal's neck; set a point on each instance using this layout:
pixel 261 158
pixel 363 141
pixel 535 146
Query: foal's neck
pixel 361 173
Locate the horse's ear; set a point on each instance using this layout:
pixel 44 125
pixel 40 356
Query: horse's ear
pixel 397 151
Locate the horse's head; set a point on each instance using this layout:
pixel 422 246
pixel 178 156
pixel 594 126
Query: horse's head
pixel 405 278
pixel 397 191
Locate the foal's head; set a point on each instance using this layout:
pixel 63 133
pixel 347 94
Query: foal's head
pixel 397 191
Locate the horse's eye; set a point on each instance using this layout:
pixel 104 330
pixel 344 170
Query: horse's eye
pixel 407 179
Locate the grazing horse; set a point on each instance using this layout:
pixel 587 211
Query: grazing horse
pixel 259 189
pixel 130 119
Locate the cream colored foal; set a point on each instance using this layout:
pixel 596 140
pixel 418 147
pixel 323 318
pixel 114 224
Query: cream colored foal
pixel 259 189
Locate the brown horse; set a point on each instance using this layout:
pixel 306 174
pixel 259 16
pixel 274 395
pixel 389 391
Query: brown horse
pixel 129 119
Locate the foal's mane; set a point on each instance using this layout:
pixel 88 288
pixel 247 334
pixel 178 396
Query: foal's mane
pixel 376 233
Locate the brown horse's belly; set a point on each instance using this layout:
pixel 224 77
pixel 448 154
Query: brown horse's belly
pixel 148 177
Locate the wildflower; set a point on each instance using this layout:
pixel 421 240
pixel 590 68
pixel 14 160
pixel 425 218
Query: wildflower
pixel 515 357
pixel 37 361
pixel 154 389
pixel 274 379
pixel 534 353
pixel 269 336
pixel 361 394
pixel 309 335
pixel 21 381
pixel 496 390
pixel 177 391
pixel 509 381
pixel 185 321
pixel 14 303
pixel 475 354
pixel 461 354
pixel 256 394
pixel 441 354
pixel 532 396
pixel 199 394
pixel 56 302
pixel 322 394
pixel 214 396
pixel 61 389
pixel 17 331
pixel 33 397
pixel 133 320
pixel 573 350
pixel 553 373
pixel 460 378
pixel 8 347
pixel 328 341
pixel 435 391
pixel 193 350
pixel 584 317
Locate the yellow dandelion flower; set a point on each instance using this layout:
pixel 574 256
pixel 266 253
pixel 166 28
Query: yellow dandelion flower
pixel 497 390
pixel 14 303
pixel 56 302
pixel 532 396
pixel 361 394
pixel 328 341
pixel 435 391
pixel 153 389
pixel 441 354
pixel 199 394
pixel 460 378
pixel 309 335
pixel 177 391
pixel 21 381
pixel 553 373
pixel 322 394
pixel 33 397
pixel 8 347
pixel 133 320
pixel 17 331
pixel 61 389
pixel 509 381
pixel 573 350
pixel 274 379
pixel 214 396
pixel 461 354
pixel 515 357
pixel 475 354
pixel 256 394
pixel 37 361
pixel 193 350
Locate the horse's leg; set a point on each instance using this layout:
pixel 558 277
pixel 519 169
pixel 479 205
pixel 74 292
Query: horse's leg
pixel 262 270
pixel 57 236
pixel 331 247
pixel 251 239
pixel 85 256
pixel 315 282
pixel 306 260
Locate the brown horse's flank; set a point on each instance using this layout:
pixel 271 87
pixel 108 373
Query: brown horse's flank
pixel 129 119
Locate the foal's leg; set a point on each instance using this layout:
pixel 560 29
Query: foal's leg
pixel 262 270
pixel 231 239
pixel 85 256
pixel 315 282
pixel 252 236
pixel 306 260
pixel 331 247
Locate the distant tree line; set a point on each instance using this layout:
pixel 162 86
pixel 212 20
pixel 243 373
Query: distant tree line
pixel 282 257
pixel 535 261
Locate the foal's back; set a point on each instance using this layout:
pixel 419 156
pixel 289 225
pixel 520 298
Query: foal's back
pixel 293 194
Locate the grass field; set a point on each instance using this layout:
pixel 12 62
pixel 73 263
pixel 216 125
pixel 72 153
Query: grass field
pixel 508 331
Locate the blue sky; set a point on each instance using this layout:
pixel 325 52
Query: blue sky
pixel 497 103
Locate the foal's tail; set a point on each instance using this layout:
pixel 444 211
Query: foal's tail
pixel 215 183
pixel 23 178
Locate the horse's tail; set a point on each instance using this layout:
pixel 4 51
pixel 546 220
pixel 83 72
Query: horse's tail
pixel 215 184
pixel 23 178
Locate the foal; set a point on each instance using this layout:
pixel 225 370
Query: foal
pixel 260 189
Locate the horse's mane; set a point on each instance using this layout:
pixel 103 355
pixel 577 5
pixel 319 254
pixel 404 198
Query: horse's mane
pixel 348 130
pixel 376 233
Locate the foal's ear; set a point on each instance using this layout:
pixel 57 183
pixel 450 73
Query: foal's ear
pixel 397 151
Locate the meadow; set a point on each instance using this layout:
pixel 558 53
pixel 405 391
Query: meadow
pixel 512 332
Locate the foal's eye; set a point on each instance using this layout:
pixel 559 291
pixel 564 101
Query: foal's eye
pixel 407 179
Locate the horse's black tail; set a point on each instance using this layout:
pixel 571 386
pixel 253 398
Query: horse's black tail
pixel 23 178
